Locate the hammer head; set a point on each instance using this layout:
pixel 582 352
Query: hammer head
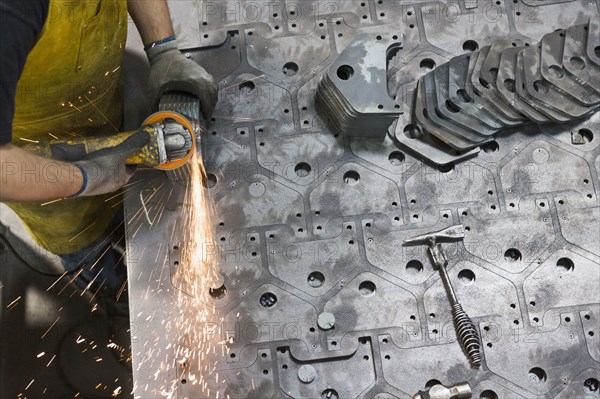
pixel 452 233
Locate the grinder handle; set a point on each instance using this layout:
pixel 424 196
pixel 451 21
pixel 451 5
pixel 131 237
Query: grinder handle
pixel 76 149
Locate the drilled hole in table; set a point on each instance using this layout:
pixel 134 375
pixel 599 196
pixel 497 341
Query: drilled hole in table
pixel 247 87
pixel 414 266
pixel 431 383
pixel 565 265
pixel 490 147
pixel 316 279
pixel 268 299
pixel 470 45
pixel 466 276
pixel 351 177
pixel 302 169
pixel 329 394
pixel 427 63
pixel 592 384
pixel 446 168
pixel 367 288
pixel 218 293
pixel 488 394
pixel 537 375
pixel 210 181
pixel 513 255
pixel 540 87
pixel 586 135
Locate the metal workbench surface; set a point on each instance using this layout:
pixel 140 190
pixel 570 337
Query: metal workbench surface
pixel 309 222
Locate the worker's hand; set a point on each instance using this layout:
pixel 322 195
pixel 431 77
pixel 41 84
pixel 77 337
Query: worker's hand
pixel 104 171
pixel 171 71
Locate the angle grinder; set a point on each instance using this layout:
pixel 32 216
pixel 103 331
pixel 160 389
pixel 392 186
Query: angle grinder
pixel 172 143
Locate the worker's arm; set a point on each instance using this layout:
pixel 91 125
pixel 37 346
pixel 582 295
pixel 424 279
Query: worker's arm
pixel 169 69
pixel 28 177
pixel 152 19
pixel 25 176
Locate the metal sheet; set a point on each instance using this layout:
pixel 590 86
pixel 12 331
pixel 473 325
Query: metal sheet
pixel 309 222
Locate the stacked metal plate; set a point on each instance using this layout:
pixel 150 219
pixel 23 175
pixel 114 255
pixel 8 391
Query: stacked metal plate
pixel 353 93
pixel 465 102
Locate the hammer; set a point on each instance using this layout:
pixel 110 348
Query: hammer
pixel 466 332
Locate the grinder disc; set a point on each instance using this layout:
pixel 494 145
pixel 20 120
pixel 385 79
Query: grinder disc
pixel 160 117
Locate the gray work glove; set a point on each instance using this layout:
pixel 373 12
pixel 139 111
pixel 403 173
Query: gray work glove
pixel 171 71
pixel 104 171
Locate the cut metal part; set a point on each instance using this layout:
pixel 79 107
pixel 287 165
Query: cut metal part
pixel 499 87
pixel 434 115
pixel 593 40
pixel 425 119
pixel 410 138
pixel 484 79
pixel 453 110
pixel 507 85
pixel 461 94
pixel 551 68
pixel 576 61
pixel 353 93
pixel 544 92
pixel 484 89
pixel 527 59
pixel 508 74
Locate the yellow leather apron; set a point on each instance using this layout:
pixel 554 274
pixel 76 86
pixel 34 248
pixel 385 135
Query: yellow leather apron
pixel 71 85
